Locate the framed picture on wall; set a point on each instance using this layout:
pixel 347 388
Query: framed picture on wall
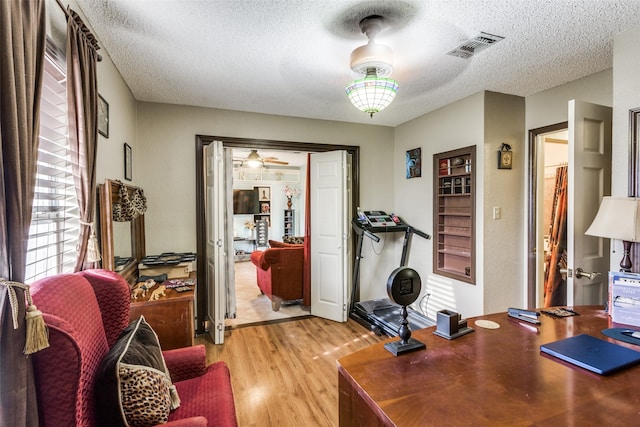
pixel 414 163
pixel 264 193
pixel 128 162
pixel 103 117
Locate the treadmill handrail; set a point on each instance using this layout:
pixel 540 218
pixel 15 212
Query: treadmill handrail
pixel 420 233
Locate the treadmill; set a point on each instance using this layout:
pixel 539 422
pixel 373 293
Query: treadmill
pixel 383 316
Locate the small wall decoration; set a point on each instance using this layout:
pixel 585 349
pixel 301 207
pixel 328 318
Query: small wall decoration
pixel 505 157
pixel 414 163
pixel 128 162
pixel 103 117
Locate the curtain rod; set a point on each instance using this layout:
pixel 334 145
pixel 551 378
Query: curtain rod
pixel 64 10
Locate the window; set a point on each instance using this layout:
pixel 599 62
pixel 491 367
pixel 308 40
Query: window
pixel 55 220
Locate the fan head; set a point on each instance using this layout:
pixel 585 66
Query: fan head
pixel 255 160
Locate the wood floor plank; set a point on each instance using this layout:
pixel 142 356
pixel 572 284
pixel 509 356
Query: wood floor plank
pixel 285 374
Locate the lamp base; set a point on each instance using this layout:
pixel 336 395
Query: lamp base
pixel 625 264
pixel 398 347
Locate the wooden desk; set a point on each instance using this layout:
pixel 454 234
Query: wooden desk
pixel 488 377
pixel 171 317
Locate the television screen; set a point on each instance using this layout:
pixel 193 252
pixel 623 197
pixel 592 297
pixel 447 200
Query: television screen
pixel 245 202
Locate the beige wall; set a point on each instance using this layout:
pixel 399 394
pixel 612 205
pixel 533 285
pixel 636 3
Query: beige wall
pixel 503 264
pixel 551 106
pixel 486 120
pixel 457 125
pixel 163 141
pixel 165 163
pixel 122 105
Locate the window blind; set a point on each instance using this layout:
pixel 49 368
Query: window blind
pixel 55 221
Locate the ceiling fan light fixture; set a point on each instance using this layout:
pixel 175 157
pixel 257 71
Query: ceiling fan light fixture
pixel 374 62
pixel 254 160
pixel 372 94
pixel 372 55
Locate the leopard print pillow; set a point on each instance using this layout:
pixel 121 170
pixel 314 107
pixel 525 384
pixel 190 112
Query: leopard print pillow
pixel 133 384
pixel 129 207
pixel 145 394
pixel 296 240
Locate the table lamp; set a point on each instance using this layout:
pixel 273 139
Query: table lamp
pixel 618 218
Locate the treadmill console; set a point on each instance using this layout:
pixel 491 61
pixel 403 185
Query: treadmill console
pixel 381 219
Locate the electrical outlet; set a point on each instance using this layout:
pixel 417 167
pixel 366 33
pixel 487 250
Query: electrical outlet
pixel 497 212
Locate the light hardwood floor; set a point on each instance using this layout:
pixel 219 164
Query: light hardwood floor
pixel 285 374
pixel 254 307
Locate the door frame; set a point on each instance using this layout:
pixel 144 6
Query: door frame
pixel 259 144
pixel 532 207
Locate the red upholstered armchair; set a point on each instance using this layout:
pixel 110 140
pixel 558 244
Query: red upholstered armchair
pixel 279 271
pixel 85 313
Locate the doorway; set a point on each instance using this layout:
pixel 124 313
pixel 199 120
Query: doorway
pixel 556 228
pixel 539 213
pixel 551 286
pixel 247 143
pixel 256 224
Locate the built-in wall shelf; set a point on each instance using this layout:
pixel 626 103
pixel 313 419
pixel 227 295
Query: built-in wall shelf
pixel 454 214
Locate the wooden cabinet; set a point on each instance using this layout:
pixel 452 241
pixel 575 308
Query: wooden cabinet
pixel 454 214
pixel 289 222
pixel 171 317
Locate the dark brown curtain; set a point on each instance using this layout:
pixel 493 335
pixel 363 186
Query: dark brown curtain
pixel 22 44
pixel 82 96
pixel 306 281
pixel 555 290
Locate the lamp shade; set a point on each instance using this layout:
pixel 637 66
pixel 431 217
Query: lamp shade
pixel 372 94
pixel 618 218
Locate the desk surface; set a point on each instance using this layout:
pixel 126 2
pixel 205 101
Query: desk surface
pixel 488 377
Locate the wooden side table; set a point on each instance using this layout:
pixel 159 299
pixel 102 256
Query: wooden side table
pixel 170 316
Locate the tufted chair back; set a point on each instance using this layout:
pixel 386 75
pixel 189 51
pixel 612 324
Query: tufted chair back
pixel 85 313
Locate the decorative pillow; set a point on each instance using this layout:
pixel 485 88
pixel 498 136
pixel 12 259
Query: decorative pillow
pixel 296 240
pixel 133 386
pixel 276 244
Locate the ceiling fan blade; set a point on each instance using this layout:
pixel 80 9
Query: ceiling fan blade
pixel 275 162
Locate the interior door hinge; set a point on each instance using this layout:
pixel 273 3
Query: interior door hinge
pixel 567 271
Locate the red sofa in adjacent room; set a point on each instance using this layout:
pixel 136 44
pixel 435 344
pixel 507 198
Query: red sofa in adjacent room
pixel 279 271
pixel 85 313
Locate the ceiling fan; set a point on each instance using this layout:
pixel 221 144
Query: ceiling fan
pixel 254 160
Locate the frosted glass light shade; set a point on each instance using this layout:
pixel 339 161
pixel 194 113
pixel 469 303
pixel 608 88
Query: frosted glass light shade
pixel 372 94
pixel 617 218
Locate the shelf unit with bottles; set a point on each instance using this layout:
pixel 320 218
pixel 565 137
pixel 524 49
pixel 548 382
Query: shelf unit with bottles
pixel 454 214
pixel 289 222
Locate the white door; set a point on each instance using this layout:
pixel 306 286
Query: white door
pixel 330 184
pixel 216 248
pixel 589 181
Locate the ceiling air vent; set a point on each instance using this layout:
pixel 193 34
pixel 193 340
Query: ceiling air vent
pixel 478 43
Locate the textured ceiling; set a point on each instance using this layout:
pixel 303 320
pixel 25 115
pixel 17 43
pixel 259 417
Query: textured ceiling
pixel 291 57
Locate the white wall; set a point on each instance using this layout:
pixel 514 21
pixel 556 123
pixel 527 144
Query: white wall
pixel 626 96
pixel 165 163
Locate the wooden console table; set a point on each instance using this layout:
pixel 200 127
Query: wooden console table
pixel 171 317
pixel 488 377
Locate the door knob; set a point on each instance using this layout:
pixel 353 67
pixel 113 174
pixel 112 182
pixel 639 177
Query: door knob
pixel 581 273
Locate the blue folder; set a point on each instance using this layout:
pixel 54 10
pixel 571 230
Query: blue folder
pixel 594 354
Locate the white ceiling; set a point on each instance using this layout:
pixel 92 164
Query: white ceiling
pixel 291 57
